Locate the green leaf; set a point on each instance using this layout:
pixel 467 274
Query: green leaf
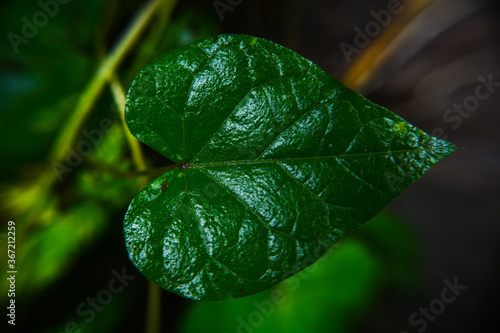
pixel 276 161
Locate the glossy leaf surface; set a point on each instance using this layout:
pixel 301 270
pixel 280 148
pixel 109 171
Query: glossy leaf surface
pixel 276 161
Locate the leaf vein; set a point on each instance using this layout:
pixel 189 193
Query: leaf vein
pixel 224 122
pixel 244 204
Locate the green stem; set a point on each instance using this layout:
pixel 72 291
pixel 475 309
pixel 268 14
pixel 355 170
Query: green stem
pixel 154 297
pixel 135 147
pixel 153 319
pixel 154 307
pixel 103 167
pixel 69 133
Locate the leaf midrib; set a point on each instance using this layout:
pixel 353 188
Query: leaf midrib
pixel 310 158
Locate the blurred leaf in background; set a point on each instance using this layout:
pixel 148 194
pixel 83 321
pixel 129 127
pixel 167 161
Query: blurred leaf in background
pixel 40 83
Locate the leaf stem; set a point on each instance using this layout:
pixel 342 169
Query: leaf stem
pixel 103 167
pixel 135 147
pixel 154 307
pixel 154 296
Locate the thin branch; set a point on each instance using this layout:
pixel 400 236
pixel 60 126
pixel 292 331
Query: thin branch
pixel 135 147
pixel 153 319
pixel 98 165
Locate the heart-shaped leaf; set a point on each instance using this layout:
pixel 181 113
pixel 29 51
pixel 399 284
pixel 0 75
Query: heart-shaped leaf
pixel 276 161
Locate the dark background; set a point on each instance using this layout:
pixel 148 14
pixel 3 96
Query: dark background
pixel 453 211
